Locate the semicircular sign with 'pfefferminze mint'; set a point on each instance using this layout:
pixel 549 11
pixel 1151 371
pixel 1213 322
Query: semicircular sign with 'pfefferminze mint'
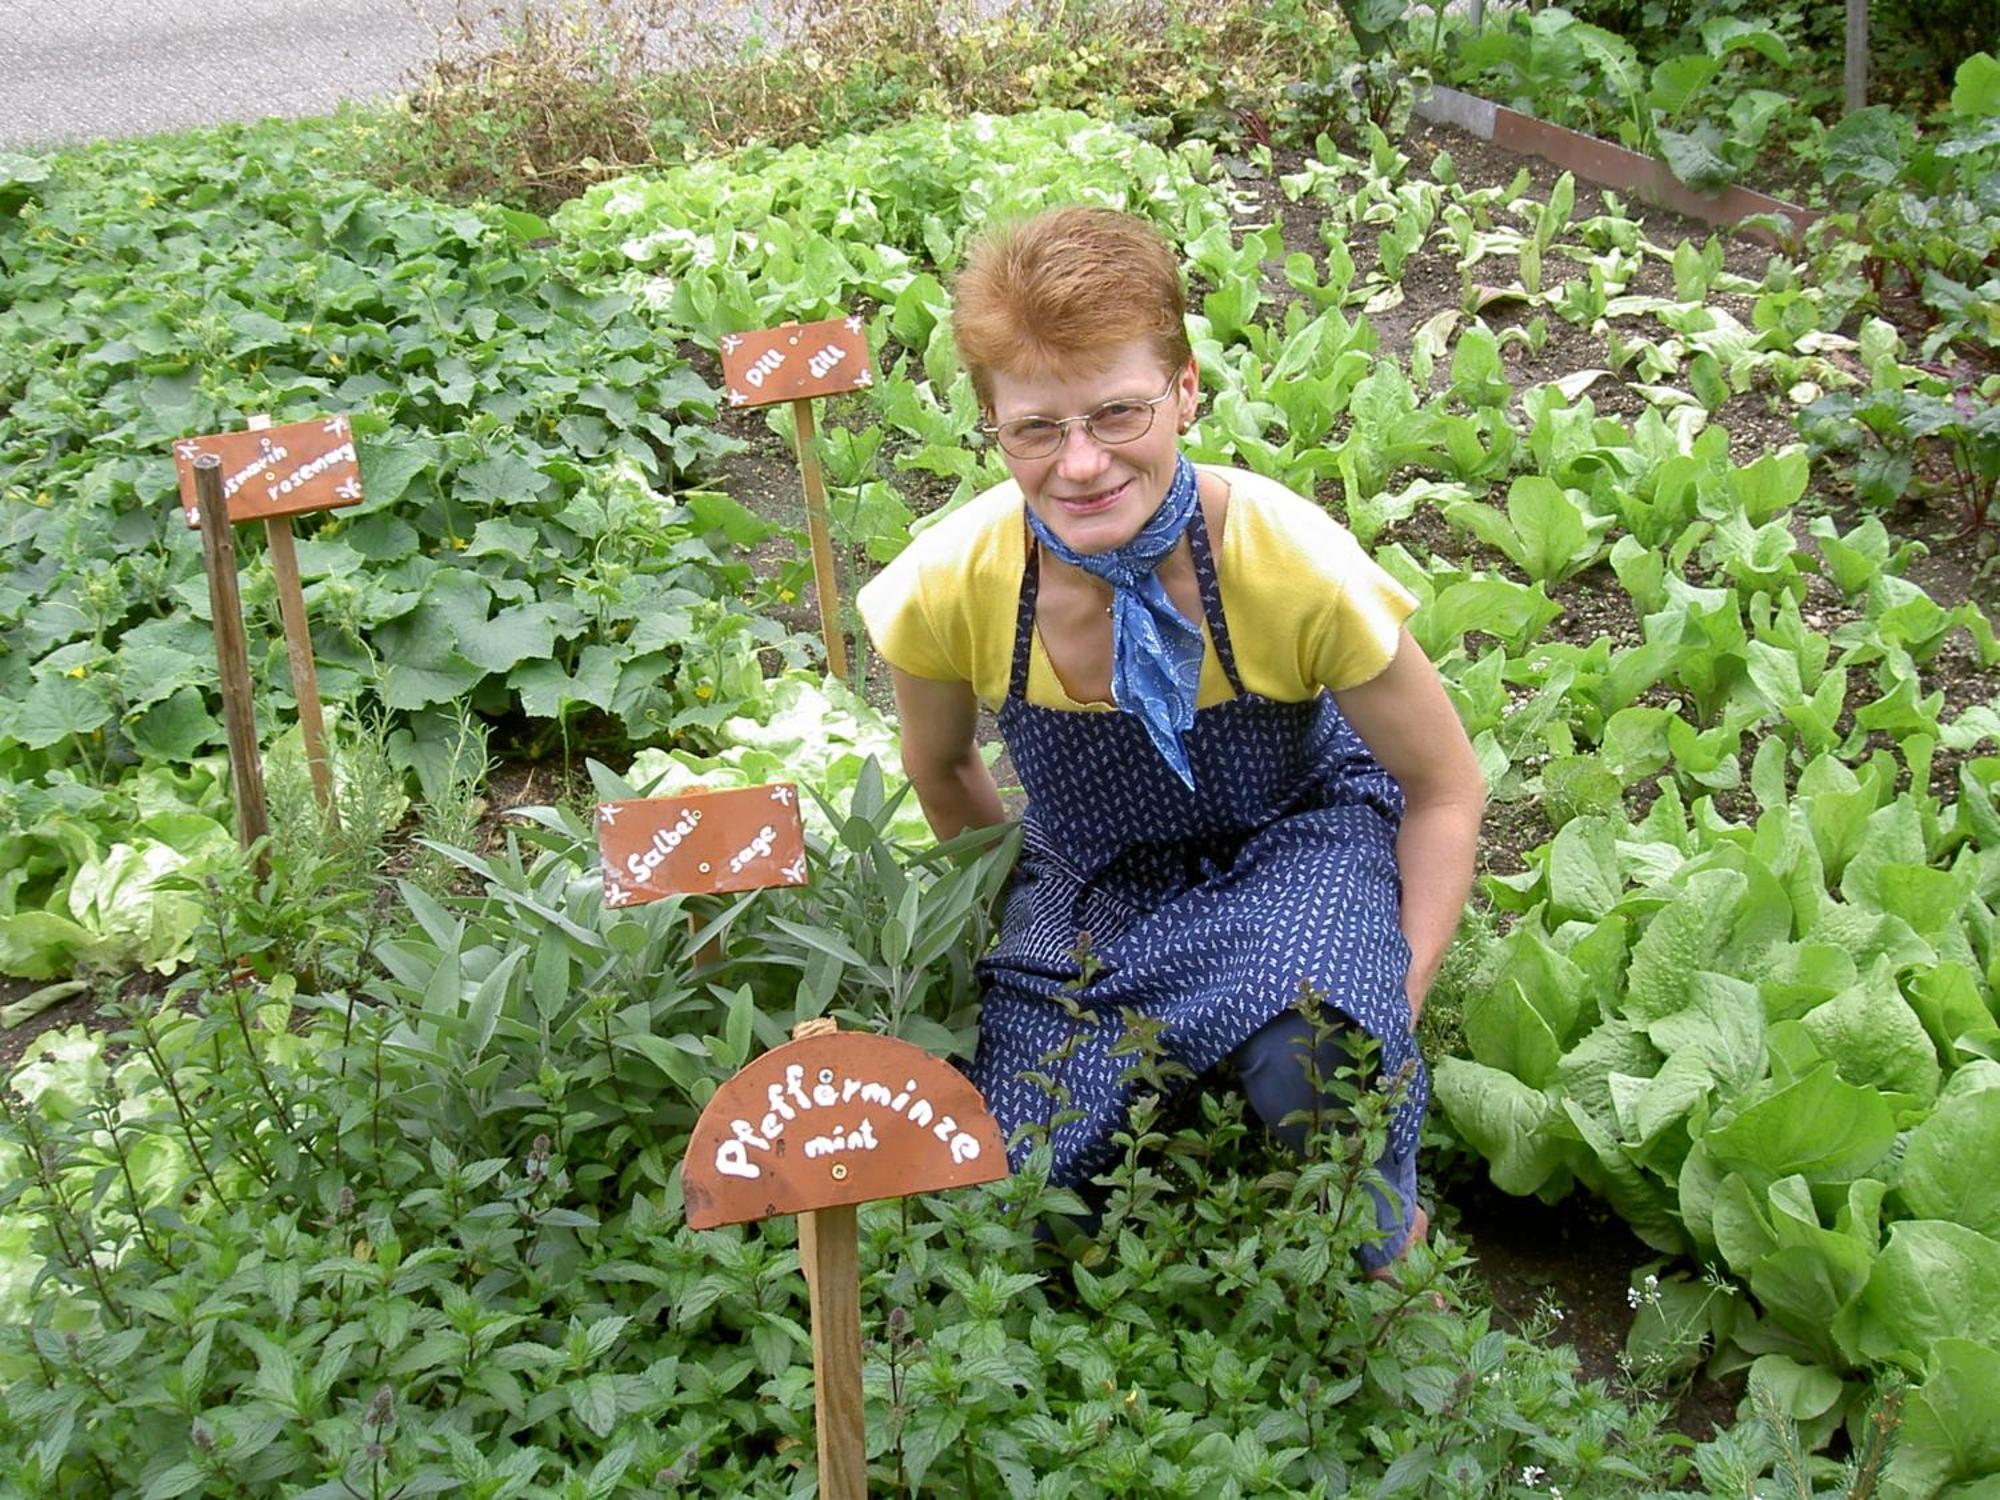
pixel 843 1117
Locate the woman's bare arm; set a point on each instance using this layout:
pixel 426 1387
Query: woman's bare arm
pixel 1404 717
pixel 940 722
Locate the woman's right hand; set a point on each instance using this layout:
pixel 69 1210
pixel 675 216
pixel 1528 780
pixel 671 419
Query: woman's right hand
pixel 940 724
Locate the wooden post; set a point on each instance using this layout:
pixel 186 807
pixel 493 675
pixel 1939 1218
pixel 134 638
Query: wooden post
pixel 829 1254
pixel 239 717
pixel 299 651
pixel 709 954
pixel 825 583
pixel 1856 74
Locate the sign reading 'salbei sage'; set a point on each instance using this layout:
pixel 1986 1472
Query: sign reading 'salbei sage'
pixel 701 843
pixel 796 362
pixel 276 471
pixel 841 1118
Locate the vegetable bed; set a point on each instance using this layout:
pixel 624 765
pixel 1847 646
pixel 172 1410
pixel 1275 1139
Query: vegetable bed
pixel 1733 976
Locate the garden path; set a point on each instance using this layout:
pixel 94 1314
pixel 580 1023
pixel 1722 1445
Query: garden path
pixel 73 72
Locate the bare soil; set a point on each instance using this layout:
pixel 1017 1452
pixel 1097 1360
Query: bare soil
pixel 78 1009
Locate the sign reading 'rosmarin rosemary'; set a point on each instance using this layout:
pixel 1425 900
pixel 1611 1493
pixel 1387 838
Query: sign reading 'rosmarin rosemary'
pixel 276 471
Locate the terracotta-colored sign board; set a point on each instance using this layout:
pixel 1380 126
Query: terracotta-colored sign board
pixel 276 471
pixel 701 842
pixel 835 1119
pixel 796 361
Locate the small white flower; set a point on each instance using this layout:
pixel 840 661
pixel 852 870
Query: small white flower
pixel 1531 1474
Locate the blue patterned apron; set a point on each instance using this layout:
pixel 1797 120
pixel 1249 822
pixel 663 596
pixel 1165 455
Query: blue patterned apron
pixel 1205 909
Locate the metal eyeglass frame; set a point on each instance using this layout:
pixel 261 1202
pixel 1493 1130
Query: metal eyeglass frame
pixel 1063 424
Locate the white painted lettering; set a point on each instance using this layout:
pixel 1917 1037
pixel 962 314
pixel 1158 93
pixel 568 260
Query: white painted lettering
pixel 640 866
pixel 731 1160
pixel 860 1138
pixel 758 848
pixel 269 457
pixel 310 469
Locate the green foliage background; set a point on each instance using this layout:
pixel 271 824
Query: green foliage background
pixel 384 1199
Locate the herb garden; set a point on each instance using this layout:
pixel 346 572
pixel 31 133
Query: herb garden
pixel 354 1169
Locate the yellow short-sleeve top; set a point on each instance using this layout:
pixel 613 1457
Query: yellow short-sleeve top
pixel 1306 608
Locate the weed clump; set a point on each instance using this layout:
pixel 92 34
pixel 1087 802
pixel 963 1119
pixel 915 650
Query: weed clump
pixel 535 101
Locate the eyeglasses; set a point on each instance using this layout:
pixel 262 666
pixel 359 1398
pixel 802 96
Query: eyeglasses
pixel 1112 423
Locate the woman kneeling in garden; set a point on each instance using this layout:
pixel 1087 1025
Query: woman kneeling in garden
pixel 1242 774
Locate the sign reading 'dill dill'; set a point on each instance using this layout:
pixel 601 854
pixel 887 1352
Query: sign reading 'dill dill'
pixel 796 362
pixel 701 843
pixel 841 1118
pixel 276 471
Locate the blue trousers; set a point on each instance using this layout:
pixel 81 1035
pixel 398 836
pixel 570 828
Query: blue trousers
pixel 1272 1065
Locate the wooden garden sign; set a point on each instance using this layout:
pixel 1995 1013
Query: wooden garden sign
pixel 701 843
pixel 276 471
pixel 829 1120
pixel 267 474
pixel 797 362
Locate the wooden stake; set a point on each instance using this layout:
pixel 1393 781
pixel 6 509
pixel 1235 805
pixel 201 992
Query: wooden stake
pixel 709 954
pixel 825 583
pixel 232 659
pixel 1855 75
pixel 299 651
pixel 829 1254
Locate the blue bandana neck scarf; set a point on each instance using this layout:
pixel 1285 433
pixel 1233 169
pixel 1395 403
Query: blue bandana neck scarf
pixel 1156 651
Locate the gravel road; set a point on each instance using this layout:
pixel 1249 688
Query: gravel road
pixel 73 70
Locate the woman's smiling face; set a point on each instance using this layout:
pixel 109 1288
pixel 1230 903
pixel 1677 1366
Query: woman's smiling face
pixel 1095 496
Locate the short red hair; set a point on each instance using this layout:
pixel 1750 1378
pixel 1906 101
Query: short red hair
pixel 1053 293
